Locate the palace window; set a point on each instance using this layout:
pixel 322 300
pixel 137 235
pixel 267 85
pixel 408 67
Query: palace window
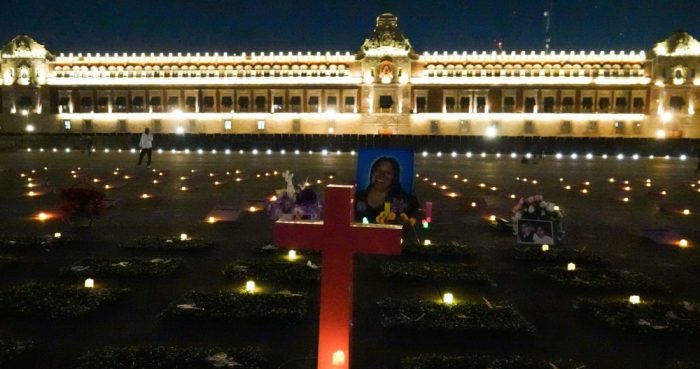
pixel 603 104
pixel 227 103
pixel 260 103
pixel 243 103
pixel 385 103
pixel 481 104
pixel 66 125
pixel 85 104
pixel 207 103
pixel 677 103
pixel 87 125
pixel 63 103
pixel 228 124
pixel 464 103
pixel 173 103
pixel 295 104
pixel 137 104
pixel 464 126
pixel 190 103
pixel 277 104
pixel 620 104
pixel 450 104
pixel 593 126
pixel 530 103
pixel 619 127
pixel 102 104
pixel 332 103
pixel 637 104
pixel 529 127
pixel 434 127
pixel 313 104
pixel 420 104
pixel 349 104
pixel 155 104
pixel 637 128
pixel 548 104
pixel 565 127
pixel 567 104
pixel 261 125
pixel 120 104
pixel 508 104
pixel 587 105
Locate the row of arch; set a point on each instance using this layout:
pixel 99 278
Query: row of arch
pixel 533 70
pixel 247 70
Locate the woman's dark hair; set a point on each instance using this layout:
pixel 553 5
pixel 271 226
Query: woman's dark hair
pixel 395 189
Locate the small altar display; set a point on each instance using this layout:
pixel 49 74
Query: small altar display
pixel 294 202
pixel 536 221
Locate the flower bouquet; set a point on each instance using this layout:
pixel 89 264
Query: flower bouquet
pixel 294 203
pixel 395 213
pixel 535 208
pixel 80 205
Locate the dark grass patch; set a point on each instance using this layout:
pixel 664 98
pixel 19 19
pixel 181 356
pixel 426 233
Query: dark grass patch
pixel 14 353
pixel 7 262
pixel 463 317
pixel 561 256
pixel 124 267
pixel 172 243
pixel 434 272
pixel 272 271
pixel 27 243
pixel 603 279
pixel 162 357
pixel 433 361
pixel 272 250
pixel 684 365
pixel 56 301
pixel 653 317
pixel 450 251
pixel 236 306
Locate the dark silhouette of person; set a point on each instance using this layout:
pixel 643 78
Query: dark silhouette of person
pixel 384 186
pixel 526 233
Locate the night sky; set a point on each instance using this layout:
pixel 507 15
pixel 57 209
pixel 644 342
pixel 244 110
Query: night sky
pixel 298 25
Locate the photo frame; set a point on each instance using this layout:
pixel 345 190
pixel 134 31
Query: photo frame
pixel 535 232
pixel 367 157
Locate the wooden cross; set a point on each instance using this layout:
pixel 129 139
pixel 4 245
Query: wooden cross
pixel 338 239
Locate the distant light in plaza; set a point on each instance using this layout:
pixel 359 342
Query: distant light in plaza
pixel 605 156
pixel 283 151
pixel 571 267
pixel 558 155
pixel 469 154
pixel 292 255
pixel 250 286
pixel 255 151
pixel 227 152
pixel 683 157
pixel 268 152
pixel 574 156
pixel 352 152
pixel 448 298
pixel 634 299
pixel 160 151
pixel 439 154
pixel 635 157
pixel 89 283
pixel 29 128
pixel 184 237
pixel 589 156
pixel 425 154
pixel 67 149
pixel 620 156
pixel 200 151
pixel 296 152
pixel 545 248
pixel 483 154
pixel 213 151
pixel 324 152
pixel 660 134
pixel 454 154
pixel 180 130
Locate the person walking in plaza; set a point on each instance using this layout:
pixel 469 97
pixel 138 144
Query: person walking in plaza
pixel 146 146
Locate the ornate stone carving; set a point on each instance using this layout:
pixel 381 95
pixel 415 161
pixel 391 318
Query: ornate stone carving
pixel 680 43
pixel 386 40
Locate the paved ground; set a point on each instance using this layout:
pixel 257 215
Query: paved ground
pixel 596 221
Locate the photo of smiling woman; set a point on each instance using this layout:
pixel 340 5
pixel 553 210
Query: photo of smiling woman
pixel 384 186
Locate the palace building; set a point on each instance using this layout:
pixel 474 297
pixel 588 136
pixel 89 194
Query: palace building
pixel 386 87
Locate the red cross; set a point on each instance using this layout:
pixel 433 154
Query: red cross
pixel 338 239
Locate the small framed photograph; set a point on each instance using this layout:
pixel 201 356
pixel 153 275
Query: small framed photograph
pixel 535 232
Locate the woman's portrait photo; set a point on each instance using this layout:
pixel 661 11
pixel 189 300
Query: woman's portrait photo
pixel 383 195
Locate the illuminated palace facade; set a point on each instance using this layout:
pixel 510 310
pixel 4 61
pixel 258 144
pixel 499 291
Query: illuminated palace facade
pixel 386 87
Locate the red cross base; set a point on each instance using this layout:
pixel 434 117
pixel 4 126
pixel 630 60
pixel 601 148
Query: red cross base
pixel 338 239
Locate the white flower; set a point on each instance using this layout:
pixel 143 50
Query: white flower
pixel 550 207
pixel 543 204
pixel 531 209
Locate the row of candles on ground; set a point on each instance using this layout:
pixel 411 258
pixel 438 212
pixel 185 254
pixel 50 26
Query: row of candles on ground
pixel 324 152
